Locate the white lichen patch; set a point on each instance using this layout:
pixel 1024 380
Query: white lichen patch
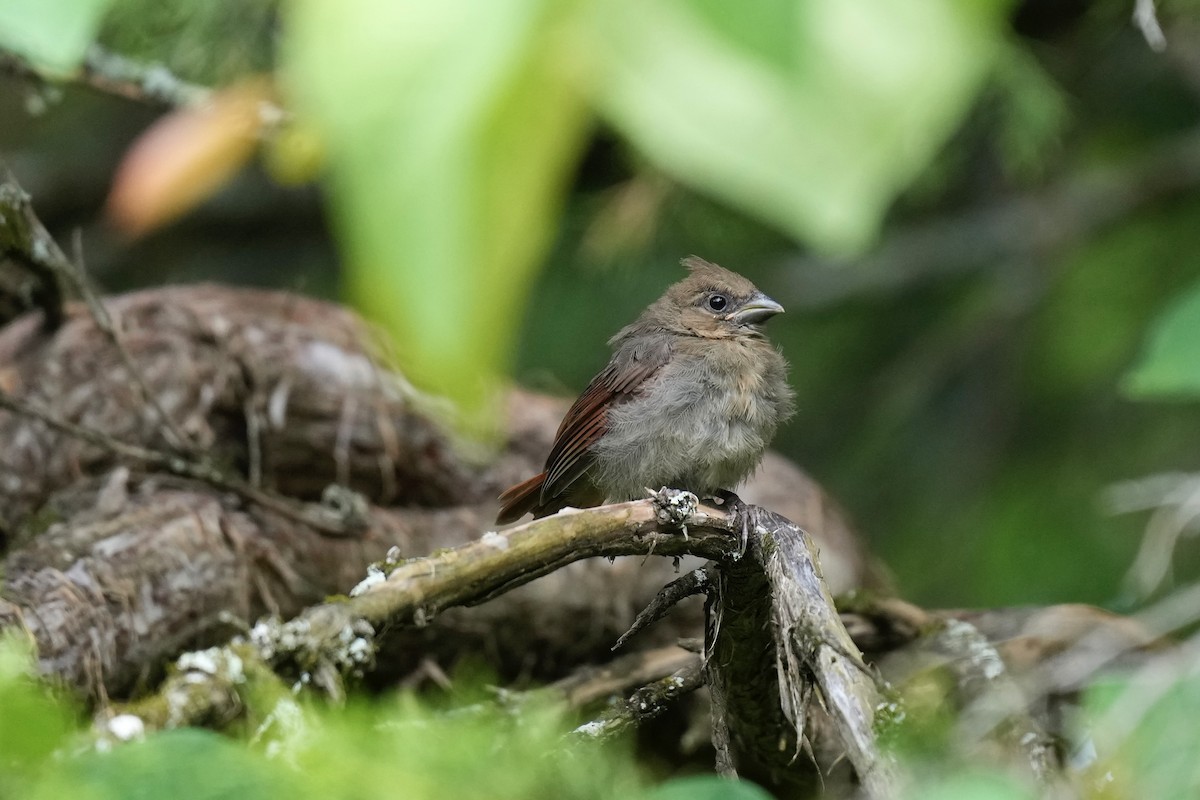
pixel 263 636
pixel 375 576
pixel 496 540
pixel 593 729
pixel 339 366
pixel 199 661
pixel 126 727
pixel 360 651
pixel 211 662
pixel 965 638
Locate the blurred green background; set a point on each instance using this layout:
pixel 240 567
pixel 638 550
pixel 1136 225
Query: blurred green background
pixel 961 374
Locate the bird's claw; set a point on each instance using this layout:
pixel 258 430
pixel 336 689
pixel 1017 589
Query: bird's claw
pixel 742 515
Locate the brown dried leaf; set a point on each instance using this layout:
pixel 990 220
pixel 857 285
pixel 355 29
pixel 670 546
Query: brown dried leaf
pixel 185 157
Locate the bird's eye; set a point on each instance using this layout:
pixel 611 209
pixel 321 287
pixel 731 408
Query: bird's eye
pixel 717 302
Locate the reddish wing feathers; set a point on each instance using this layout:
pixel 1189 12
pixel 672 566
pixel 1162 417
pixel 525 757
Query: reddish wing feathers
pixel 581 428
pixel 517 501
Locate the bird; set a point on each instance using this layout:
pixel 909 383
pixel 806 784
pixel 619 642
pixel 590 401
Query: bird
pixel 690 399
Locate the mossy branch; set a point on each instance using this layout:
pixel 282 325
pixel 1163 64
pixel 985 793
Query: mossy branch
pixel 336 638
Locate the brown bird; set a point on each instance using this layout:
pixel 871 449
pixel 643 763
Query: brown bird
pixel 690 400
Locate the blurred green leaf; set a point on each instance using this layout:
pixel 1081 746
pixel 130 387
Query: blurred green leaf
pixel 54 34
pixel 971 786
pixel 396 748
pixel 812 116
pixel 1171 363
pixel 32 722
pixel 450 129
pixel 1145 731
pixel 195 764
pixel 707 787
pixel 1032 111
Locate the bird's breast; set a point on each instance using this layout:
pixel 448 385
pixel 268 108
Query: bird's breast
pixel 703 422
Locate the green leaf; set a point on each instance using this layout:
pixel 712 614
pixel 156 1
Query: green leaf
pixel 971 786
pixel 450 128
pixel 811 116
pixel 53 34
pixel 394 748
pixel 1171 363
pixel 1142 730
pixel 33 723
pixel 707 787
pixel 188 763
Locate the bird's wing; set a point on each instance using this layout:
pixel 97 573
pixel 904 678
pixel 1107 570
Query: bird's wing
pixel 587 420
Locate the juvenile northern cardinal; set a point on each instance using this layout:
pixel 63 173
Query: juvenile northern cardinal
pixel 689 400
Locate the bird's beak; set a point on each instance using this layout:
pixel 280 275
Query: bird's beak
pixel 759 309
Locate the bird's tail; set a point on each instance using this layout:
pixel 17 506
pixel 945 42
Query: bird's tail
pixel 516 501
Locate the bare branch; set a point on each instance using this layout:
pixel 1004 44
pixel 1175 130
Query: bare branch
pixel 110 73
pixel 25 240
pixel 643 705
pixel 695 582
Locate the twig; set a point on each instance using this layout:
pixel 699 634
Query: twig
pixel 22 235
pixel 417 590
pixel 184 467
pixel 24 239
pixel 592 684
pixel 1146 20
pixel 643 705
pixel 76 272
pixel 695 582
pixel 110 73
pixel 993 702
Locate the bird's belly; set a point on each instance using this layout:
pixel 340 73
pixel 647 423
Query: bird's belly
pixel 701 438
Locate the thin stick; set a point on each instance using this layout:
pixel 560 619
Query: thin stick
pixel 180 466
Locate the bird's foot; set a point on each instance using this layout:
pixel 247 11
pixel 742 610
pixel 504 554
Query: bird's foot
pixel 740 513
pixel 674 506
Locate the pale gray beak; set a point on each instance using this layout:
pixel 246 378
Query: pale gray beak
pixel 760 308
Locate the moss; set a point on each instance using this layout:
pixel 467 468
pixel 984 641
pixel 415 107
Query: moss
pixel 857 601
pixel 769 545
pixel 891 713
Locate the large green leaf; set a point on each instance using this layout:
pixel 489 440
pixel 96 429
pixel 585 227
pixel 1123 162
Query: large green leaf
pixel 1171 363
pixel 450 128
pixel 54 34
pixel 811 115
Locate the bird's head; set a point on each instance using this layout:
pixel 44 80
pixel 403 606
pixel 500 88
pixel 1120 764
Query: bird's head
pixel 713 302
